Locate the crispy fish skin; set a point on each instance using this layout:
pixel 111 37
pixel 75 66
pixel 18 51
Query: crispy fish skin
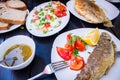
pixel 92 12
pixel 100 61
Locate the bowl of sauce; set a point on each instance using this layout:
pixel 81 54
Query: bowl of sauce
pixel 20 46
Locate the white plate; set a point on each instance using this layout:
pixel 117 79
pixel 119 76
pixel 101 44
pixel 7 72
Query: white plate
pixel 10 29
pixel 67 74
pixel 64 20
pixel 114 1
pixel 110 10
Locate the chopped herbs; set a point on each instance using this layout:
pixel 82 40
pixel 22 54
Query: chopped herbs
pixel 75 52
pixel 89 52
pixel 22 27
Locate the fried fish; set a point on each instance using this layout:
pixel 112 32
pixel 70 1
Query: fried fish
pixel 92 12
pixel 100 61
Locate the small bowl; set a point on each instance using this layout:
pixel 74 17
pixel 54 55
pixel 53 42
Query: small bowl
pixel 19 39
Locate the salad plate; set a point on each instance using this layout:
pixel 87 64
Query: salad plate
pixel 46 17
pixel 110 10
pixel 67 73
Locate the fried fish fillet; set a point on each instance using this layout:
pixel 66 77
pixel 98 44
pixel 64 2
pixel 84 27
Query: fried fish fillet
pixel 100 61
pixel 92 12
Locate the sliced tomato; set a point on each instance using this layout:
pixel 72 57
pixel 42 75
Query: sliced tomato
pixel 69 47
pixel 69 37
pixel 79 45
pixel 76 63
pixel 47 25
pixel 48 17
pixel 62 8
pixel 36 12
pixel 60 14
pixel 64 53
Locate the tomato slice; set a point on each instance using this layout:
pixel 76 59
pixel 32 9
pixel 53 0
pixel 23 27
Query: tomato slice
pixel 79 45
pixel 64 53
pixel 76 63
pixel 48 17
pixel 47 25
pixel 68 37
pixel 61 7
pixel 36 12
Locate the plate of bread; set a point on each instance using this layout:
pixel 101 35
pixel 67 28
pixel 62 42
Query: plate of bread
pixel 12 14
pixel 93 11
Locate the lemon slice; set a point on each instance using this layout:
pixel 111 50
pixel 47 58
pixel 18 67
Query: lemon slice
pixel 92 37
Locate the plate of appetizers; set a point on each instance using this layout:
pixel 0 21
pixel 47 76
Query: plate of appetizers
pixel 47 19
pixel 12 17
pixel 109 9
pixel 69 73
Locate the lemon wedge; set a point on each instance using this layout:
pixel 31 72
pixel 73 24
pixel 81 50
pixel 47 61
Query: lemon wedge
pixel 92 37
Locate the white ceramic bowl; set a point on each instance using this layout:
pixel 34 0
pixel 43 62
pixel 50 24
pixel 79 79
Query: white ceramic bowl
pixel 19 39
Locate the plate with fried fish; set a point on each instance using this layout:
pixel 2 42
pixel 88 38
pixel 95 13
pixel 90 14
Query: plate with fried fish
pixel 68 74
pixel 98 11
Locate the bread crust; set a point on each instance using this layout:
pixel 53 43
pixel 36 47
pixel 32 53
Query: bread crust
pixel 18 4
pixel 13 16
pixel 4 26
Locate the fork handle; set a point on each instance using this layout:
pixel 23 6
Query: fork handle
pixel 36 76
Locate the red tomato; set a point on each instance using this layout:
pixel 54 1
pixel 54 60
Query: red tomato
pixel 48 17
pixel 69 47
pixel 47 25
pixel 76 63
pixel 64 53
pixel 62 8
pixel 60 14
pixel 36 12
pixel 56 10
pixel 68 37
pixel 79 45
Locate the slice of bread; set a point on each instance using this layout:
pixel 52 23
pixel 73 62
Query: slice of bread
pixel 13 16
pixel 4 26
pixel 16 4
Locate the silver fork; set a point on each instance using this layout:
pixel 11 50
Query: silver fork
pixel 51 68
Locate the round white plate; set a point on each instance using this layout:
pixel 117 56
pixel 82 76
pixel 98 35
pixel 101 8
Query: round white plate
pixel 67 74
pixel 10 29
pixel 64 20
pixel 110 10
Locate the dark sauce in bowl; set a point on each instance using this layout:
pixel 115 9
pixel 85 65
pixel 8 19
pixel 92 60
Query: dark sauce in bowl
pixel 21 51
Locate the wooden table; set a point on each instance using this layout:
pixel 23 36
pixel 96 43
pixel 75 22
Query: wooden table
pixel 44 45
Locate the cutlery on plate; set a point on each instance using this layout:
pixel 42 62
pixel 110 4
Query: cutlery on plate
pixel 51 68
pixel 8 59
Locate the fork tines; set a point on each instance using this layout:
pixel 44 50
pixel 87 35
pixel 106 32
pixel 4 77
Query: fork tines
pixel 59 65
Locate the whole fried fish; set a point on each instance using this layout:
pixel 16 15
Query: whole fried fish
pixel 92 12
pixel 100 61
